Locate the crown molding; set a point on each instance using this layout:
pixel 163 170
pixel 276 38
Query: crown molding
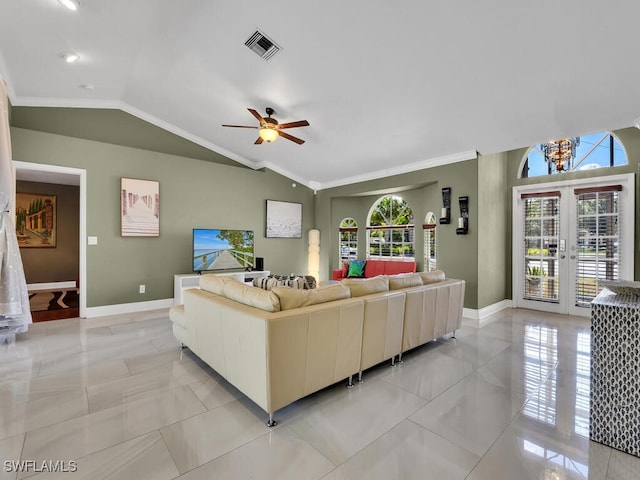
pixel 412 167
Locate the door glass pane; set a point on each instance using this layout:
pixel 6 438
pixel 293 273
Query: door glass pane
pixel 541 230
pixel 598 249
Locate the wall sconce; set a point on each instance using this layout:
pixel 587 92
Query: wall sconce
pixel 463 221
pixel 314 254
pixel 445 214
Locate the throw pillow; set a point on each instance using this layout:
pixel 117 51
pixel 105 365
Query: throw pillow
pixel 356 269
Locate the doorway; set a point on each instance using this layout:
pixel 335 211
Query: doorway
pixel 55 174
pixel 567 238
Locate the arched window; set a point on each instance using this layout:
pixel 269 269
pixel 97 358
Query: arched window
pixel 348 239
pixel 588 152
pixel 390 230
pixel 429 229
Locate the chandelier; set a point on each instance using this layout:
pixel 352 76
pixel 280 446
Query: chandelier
pixel 560 153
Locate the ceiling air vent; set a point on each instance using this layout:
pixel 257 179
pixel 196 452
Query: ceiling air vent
pixel 262 45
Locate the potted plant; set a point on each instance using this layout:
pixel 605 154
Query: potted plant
pixel 534 275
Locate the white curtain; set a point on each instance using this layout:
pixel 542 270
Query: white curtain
pixel 15 315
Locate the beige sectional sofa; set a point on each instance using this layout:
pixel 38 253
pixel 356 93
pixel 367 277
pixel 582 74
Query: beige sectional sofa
pixel 281 345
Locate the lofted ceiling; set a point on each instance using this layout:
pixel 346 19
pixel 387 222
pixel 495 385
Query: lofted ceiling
pixel 387 87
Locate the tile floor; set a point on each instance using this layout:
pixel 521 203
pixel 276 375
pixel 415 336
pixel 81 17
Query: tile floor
pixel 509 400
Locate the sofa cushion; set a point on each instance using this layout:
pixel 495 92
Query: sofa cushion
pixel 393 268
pixel 291 298
pixel 366 286
pixel 214 283
pixel 404 280
pixel 432 277
pixel 251 296
pixel 176 314
pixel 356 269
pixel 374 268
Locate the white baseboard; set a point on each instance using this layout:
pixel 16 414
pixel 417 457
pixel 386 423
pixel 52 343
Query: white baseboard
pixel 128 308
pixel 481 315
pixel 33 287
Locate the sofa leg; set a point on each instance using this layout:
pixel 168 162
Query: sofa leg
pixel 360 376
pixel 271 422
pixel 393 361
pixel 400 358
pixel 453 335
pixel 350 382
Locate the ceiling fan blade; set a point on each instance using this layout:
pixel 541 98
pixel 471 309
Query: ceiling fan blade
pixel 291 137
pixel 257 115
pixel 239 126
pixel 258 141
pixel 300 123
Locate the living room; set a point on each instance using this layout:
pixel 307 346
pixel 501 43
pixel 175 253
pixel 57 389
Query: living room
pixel 111 393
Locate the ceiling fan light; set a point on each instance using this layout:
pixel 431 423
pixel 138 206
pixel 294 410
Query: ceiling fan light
pixel 70 57
pixel 268 134
pixel 70 4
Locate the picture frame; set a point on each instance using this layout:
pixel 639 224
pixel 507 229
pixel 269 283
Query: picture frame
pixel 284 219
pixel 139 207
pixel 36 220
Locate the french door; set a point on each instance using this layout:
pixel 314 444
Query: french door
pixel 567 238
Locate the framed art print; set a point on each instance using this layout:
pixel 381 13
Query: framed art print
pixel 284 219
pixel 36 220
pixel 139 207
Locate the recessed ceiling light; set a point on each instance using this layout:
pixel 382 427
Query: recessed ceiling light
pixel 70 4
pixel 70 57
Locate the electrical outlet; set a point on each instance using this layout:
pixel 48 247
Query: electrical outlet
pixel 142 288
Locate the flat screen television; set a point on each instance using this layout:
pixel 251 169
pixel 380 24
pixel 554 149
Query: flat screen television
pixel 218 249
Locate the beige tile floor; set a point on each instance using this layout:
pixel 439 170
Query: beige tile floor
pixel 509 400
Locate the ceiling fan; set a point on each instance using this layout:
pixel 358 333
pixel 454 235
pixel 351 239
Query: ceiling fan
pixel 270 129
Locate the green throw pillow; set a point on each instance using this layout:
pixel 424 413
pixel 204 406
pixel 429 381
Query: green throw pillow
pixel 356 268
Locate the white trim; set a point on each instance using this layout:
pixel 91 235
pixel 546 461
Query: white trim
pixel 628 225
pixel 134 307
pixel 34 287
pixel 484 313
pixel 412 167
pixel 39 167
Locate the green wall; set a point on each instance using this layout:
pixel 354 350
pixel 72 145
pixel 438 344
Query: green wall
pixel 193 193
pixel 457 255
pixel 493 235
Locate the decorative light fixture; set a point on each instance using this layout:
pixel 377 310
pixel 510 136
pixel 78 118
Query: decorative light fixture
pixel 314 253
pixel 268 133
pixel 560 153
pixel 70 57
pixel 70 4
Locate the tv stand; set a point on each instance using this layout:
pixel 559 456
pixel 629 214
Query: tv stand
pixel 184 281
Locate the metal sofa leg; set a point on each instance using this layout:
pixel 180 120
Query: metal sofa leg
pixel 393 361
pixel 360 376
pixel 350 382
pixel 271 422
pixel 453 335
pixel 400 358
